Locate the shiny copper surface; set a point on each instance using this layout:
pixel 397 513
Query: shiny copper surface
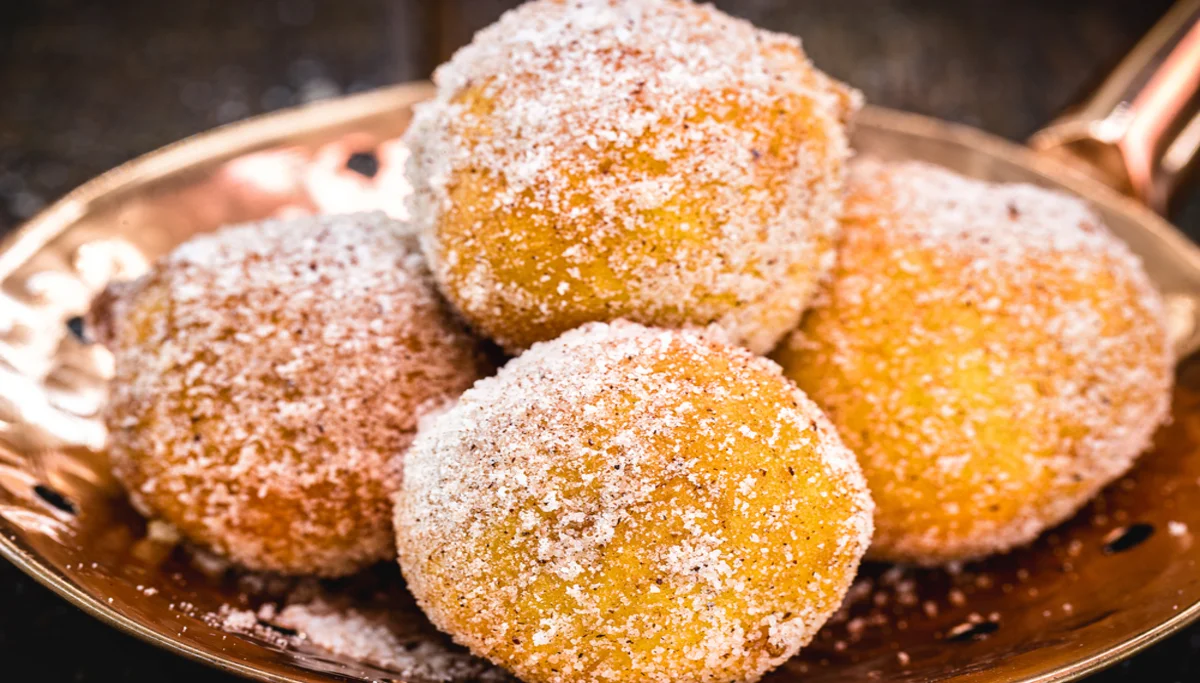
pixel 1085 595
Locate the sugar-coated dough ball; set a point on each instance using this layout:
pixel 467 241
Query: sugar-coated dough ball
pixel 655 160
pixel 632 504
pixel 991 352
pixel 267 376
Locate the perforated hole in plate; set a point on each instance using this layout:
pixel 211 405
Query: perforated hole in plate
pixel 55 499
pixel 1127 538
pixel 363 163
pixel 76 326
pixel 967 631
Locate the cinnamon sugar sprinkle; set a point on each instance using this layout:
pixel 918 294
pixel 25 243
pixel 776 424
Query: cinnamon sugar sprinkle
pixel 991 222
pixel 266 377
pixel 365 637
pixel 512 442
pixel 1006 252
pixel 569 84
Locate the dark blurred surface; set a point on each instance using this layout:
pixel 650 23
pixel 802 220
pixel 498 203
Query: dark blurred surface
pixel 85 86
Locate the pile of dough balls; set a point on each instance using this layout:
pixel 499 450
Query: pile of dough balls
pixel 634 198
pixel 265 378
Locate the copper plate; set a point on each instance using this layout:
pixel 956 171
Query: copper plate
pixel 1118 577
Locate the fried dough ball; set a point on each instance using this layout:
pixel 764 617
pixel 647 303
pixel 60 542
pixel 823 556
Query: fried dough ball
pixel 632 504
pixel 266 377
pixel 648 159
pixel 991 352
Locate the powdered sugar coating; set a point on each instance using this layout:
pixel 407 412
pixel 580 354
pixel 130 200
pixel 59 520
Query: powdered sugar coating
pixel 266 377
pixel 992 353
pixel 627 503
pixel 649 159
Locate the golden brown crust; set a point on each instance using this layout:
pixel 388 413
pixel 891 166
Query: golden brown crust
pixel 991 352
pixel 648 159
pixel 267 376
pixel 632 504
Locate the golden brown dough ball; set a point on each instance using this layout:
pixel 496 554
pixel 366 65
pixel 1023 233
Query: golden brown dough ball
pixel 991 352
pixel 632 504
pixel 266 377
pixel 655 160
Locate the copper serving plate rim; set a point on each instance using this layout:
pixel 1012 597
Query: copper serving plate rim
pixel 265 130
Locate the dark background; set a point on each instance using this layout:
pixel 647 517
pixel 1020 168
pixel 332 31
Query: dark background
pixel 85 86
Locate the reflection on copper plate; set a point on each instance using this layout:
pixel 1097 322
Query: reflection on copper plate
pixel 1120 575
